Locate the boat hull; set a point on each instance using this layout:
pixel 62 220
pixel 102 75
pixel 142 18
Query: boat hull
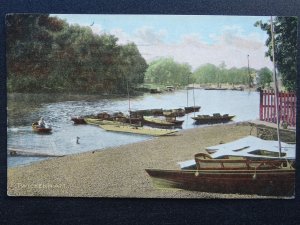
pixel 260 182
pixel 212 120
pixel 41 130
pixel 78 120
pixel 98 122
pixel 158 123
pixel 191 109
pixel 137 130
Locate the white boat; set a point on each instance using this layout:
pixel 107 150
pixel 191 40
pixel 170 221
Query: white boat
pixel 248 147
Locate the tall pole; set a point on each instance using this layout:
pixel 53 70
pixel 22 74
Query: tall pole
pixel 194 96
pixel 249 72
pixel 128 101
pixel 187 91
pixel 275 86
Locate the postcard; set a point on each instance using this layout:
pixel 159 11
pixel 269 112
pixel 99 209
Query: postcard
pixel 151 106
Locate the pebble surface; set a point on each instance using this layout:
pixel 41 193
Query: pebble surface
pixel 120 171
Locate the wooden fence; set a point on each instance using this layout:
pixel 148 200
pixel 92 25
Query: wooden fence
pixel 287 107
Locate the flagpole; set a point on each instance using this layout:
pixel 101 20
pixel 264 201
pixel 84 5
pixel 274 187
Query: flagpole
pixel 275 86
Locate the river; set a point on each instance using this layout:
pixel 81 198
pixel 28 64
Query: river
pixel 23 109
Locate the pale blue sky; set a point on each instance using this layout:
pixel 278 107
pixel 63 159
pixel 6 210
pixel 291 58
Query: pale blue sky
pixel 187 38
pixel 175 25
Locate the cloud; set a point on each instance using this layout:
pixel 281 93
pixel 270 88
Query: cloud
pixel 233 35
pixel 231 46
pixel 195 52
pixel 148 35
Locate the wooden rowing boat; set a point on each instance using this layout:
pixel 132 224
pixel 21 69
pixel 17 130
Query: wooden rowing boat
pixel 137 130
pixel 274 182
pixel 156 122
pixel 174 112
pixel 97 122
pixel 37 128
pixel 244 175
pixel 78 120
pixel 146 112
pixel 191 109
pixel 215 118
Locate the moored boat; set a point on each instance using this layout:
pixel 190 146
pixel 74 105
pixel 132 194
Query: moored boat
pixel 270 182
pixel 174 112
pixel 190 109
pixel 156 122
pixel 137 130
pixel 78 120
pixel 235 168
pixel 146 112
pixel 97 122
pixel 215 118
pixel 249 147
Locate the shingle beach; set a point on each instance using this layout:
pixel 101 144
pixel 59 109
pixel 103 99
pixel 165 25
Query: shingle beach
pixel 120 171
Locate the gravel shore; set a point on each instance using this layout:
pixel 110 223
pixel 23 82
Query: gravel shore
pixel 120 171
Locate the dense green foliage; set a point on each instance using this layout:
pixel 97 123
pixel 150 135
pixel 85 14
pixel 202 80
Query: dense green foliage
pixel 211 74
pixel 45 54
pixel 167 71
pixel 264 77
pixel 285 30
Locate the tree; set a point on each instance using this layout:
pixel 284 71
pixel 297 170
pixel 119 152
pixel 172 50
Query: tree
pixel 211 74
pixel 264 77
pixel 29 47
pixel 285 30
pixel 167 71
pixel 46 54
pixel 207 73
pixel 132 66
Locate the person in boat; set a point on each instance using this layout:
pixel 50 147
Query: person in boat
pixel 42 123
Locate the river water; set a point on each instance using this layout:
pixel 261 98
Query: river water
pixel 23 109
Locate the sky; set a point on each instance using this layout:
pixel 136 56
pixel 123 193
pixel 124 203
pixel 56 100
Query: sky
pixel 191 39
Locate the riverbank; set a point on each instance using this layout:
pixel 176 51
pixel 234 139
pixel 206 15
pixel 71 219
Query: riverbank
pixel 120 171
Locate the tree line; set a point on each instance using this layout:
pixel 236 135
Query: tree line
pixel 46 54
pixel 167 71
pixel 210 73
pixel 285 36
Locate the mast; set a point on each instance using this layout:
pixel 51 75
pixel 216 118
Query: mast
pixel 187 91
pixel 249 72
pixel 128 101
pixel 194 97
pixel 275 86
